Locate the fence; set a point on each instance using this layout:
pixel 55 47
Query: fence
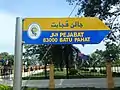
pixel 39 72
pixel 6 72
pixel 84 72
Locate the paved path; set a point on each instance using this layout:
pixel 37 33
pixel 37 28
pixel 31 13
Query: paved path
pixel 94 82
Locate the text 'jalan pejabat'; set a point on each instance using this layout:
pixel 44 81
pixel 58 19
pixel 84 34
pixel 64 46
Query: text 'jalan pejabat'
pixel 67 34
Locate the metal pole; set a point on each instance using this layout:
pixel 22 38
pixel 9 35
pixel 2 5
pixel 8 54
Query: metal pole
pixel 18 55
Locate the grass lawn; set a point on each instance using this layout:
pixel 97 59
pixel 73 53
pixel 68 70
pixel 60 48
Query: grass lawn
pixel 91 73
pixel 60 73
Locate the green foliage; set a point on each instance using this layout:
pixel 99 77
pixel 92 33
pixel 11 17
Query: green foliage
pixel 112 51
pixel 61 55
pixel 32 89
pixel 97 58
pixel 116 62
pixel 56 69
pixel 3 87
pixel 92 8
pixel 99 7
pixel 93 70
pixel 84 69
pixel 103 9
pixel 35 53
pixel 115 74
pixel 73 71
pixel 7 56
pixel 103 71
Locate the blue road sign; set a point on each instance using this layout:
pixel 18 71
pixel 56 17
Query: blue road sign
pixel 87 30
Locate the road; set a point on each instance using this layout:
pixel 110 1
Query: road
pixel 63 83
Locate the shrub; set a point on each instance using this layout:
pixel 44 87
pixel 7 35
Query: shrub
pixel 85 69
pixel 31 89
pixel 25 70
pixel 116 74
pixel 3 87
pixel 31 69
pixel 55 69
pixel 61 69
pixel 73 72
pixel 58 69
pixel 103 71
pixel 93 70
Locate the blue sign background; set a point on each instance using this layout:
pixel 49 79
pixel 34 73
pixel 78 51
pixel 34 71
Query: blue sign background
pixel 95 37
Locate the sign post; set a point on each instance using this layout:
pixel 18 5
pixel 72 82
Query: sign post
pixel 86 30
pixel 18 56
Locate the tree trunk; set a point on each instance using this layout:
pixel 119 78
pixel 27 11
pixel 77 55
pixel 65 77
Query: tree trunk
pixel 61 67
pixel 45 70
pixel 67 65
pixel 66 56
pixel 93 67
pixel 110 80
pixel 61 63
pixel 67 69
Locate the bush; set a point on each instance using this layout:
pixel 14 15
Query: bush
pixel 116 74
pixel 58 69
pixel 61 69
pixel 25 70
pixel 31 69
pixel 103 71
pixel 55 69
pixel 85 69
pixel 93 70
pixel 73 72
pixel 3 87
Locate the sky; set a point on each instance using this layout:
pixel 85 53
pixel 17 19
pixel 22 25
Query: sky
pixel 10 9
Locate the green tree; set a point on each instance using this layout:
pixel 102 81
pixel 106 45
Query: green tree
pixel 112 52
pixel 107 11
pixel 103 9
pixel 11 59
pixel 6 56
pixel 61 55
pixel 97 58
pixel 35 53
